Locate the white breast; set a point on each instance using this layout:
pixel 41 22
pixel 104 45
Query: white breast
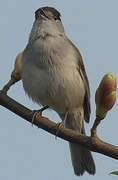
pixel 50 80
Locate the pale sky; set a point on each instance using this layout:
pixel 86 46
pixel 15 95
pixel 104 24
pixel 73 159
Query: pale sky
pixel 27 152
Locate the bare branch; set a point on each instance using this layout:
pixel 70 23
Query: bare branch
pixel 92 143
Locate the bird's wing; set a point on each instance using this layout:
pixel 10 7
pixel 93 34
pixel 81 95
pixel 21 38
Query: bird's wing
pixel 86 103
pixel 82 72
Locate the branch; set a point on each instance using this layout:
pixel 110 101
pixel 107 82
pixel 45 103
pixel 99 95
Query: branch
pixel 92 143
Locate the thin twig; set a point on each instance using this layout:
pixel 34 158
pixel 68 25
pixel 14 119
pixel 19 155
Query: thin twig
pixel 8 85
pixel 95 125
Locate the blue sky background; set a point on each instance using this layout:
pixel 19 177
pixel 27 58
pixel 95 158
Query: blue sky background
pixel 27 152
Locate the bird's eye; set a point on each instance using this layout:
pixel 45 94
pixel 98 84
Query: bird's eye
pixel 55 18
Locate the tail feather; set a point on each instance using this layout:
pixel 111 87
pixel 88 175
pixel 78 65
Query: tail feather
pixel 82 159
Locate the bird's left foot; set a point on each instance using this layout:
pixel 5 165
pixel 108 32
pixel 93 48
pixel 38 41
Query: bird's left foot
pixel 38 113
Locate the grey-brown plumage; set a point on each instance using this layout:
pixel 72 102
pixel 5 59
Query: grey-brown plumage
pixel 57 76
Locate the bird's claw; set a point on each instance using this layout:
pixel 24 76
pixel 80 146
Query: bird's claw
pixel 38 113
pixel 59 126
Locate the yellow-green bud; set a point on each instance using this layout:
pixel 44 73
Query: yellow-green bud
pixel 16 74
pixel 105 96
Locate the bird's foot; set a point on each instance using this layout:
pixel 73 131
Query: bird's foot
pixel 59 126
pixel 38 113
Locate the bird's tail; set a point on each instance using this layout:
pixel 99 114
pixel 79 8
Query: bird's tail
pixel 82 159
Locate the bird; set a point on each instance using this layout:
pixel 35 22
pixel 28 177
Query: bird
pixel 53 74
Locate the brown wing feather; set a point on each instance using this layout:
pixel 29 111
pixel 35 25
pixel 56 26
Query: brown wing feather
pixel 86 103
pixel 81 70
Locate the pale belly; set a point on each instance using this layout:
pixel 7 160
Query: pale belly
pixel 60 89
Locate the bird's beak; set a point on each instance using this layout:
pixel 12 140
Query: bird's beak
pixel 43 15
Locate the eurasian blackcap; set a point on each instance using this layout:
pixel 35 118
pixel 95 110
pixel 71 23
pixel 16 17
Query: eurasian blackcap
pixel 53 74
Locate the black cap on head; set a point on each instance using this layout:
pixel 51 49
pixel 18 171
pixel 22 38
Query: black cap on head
pixel 48 11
